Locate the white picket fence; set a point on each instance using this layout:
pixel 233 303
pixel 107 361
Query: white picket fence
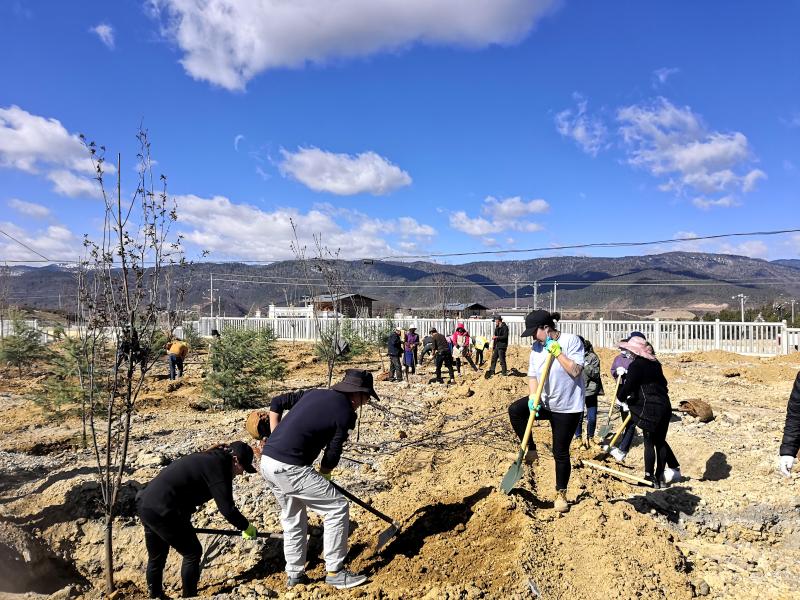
pixel 758 339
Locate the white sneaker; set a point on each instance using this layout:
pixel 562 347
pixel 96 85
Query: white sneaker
pixel 671 475
pixel 618 455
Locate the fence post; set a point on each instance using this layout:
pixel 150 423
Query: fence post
pixel 784 337
pixel 657 336
pixel 602 333
pixel 717 335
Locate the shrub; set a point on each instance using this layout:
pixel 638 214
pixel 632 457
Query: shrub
pixel 243 363
pixel 192 337
pixel 23 347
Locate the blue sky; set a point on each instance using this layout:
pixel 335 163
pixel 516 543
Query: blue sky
pixel 402 127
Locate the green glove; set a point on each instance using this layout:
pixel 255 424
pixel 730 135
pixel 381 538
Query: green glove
pixel 327 475
pixel 531 403
pixel 250 533
pixel 553 347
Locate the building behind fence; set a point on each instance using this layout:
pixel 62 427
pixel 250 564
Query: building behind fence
pixel 758 339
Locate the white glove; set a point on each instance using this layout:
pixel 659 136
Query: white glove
pixel 785 464
pixel 621 371
pixel 623 406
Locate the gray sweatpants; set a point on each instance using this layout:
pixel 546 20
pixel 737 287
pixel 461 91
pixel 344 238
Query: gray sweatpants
pixel 297 489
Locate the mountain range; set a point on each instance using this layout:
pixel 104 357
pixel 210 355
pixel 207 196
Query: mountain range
pixel 693 281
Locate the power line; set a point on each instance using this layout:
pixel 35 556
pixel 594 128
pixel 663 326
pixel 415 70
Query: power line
pixel 24 245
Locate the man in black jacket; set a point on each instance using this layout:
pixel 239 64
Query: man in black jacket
pixel 499 346
pixel 317 419
pixel 442 355
pixel 395 351
pixel 791 431
pixel 166 506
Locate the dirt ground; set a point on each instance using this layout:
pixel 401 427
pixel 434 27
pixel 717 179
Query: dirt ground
pixel 432 456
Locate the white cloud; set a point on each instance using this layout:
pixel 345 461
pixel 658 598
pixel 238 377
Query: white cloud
pixel 506 214
pixel 228 42
pixel 751 248
pixel 30 143
pixel 588 132
pixel 106 34
pixel 674 144
pixel 661 75
pixel 55 242
pixel 343 174
pixel 67 183
pixel 707 203
pixel 242 231
pixel 30 209
pixel 236 141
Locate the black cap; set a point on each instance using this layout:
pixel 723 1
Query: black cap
pixel 244 454
pixel 498 318
pixel 633 335
pixel 536 319
pixel 356 380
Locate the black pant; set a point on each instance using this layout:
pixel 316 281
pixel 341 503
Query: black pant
pixel 467 358
pixel 479 356
pixel 446 358
pixel 428 349
pixel 562 426
pixel 395 370
pixel 161 533
pixel 501 354
pixel 655 450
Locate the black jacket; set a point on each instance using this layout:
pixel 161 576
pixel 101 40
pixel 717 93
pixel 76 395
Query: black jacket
pixel 501 335
pixel 395 346
pixel 647 394
pixel 791 431
pixel 188 483
pixel 322 420
pixel 440 345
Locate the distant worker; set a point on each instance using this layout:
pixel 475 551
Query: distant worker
pixel 562 397
pixel 480 343
pixel 410 346
pixel 166 506
pixel 442 355
pixel 317 419
pixel 593 387
pixel 427 347
pixel 177 350
pixel 499 347
pixel 619 369
pixel 394 350
pixel 462 347
pixel 791 431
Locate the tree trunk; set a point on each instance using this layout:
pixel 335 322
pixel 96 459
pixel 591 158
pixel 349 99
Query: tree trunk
pixel 109 553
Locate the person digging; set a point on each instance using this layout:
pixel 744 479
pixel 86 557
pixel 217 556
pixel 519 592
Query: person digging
pixel 562 397
pixel 317 419
pixel 166 506
pixel 499 347
pixel 442 355
pixel 790 443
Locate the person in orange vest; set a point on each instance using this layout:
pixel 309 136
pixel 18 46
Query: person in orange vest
pixel 177 350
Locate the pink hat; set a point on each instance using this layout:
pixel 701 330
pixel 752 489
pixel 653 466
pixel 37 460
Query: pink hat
pixel 639 347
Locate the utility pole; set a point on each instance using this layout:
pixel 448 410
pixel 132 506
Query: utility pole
pixel 212 295
pixel 555 295
pixel 742 299
pixel 792 301
pixel 535 295
pixel 516 281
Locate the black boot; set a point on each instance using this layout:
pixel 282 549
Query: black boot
pixel 654 480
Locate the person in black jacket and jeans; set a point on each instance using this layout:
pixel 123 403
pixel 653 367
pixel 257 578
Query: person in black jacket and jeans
pixel 166 506
pixel 791 431
pixel 395 351
pixel 499 346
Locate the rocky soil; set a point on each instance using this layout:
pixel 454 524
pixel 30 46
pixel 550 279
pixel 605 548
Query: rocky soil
pixel 432 456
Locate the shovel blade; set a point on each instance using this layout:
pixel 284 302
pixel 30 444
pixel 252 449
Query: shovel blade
pixel 512 476
pixel 387 534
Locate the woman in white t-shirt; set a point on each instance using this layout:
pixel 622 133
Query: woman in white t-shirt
pixel 562 399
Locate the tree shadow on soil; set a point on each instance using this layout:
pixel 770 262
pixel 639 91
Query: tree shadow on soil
pixel 670 502
pixel 83 501
pixel 717 467
pixel 35 474
pixel 429 521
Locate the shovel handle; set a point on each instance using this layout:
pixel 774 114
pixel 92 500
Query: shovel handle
pixel 235 532
pixel 613 398
pixel 361 503
pixel 536 399
pixel 620 430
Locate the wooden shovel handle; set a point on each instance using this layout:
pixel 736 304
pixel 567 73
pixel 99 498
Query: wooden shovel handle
pixel 536 399
pixel 620 430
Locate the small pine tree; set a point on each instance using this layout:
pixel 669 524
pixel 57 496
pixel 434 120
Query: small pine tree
pixel 23 347
pixel 243 363
pixel 192 337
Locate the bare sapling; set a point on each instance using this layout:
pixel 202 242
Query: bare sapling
pixel 123 296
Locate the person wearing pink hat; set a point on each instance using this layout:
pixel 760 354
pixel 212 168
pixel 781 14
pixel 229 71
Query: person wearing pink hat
pixel 646 392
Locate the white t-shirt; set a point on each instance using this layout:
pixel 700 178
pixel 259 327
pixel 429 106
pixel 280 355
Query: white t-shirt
pixel 562 393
